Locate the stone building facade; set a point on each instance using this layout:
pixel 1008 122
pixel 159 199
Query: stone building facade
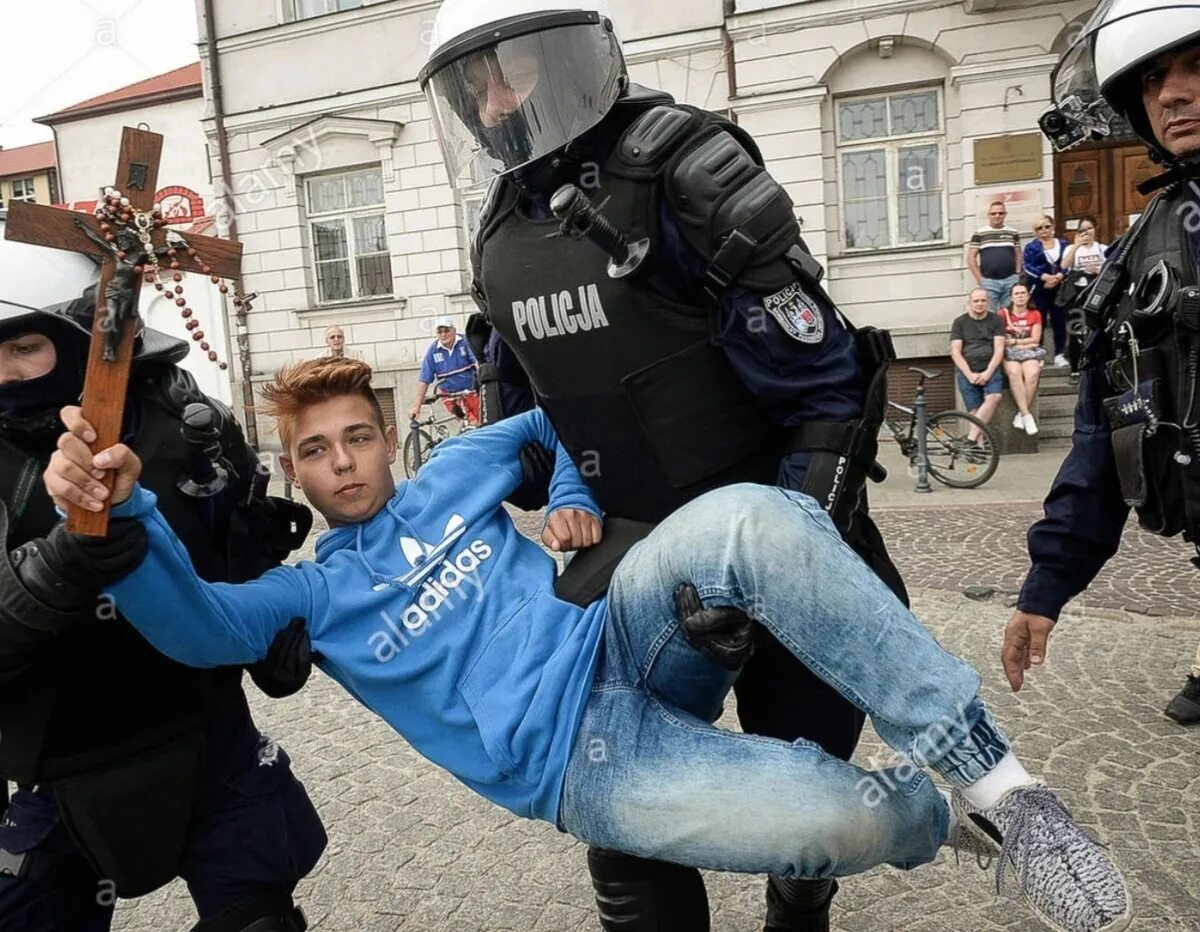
pixel 87 141
pixel 888 122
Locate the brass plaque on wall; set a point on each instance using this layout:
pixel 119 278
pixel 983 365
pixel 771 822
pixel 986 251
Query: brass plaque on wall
pixel 1008 158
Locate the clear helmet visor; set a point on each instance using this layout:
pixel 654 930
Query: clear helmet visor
pixel 499 107
pixel 1120 37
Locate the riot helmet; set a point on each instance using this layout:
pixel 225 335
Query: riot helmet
pixel 53 292
pixel 511 83
pixel 1099 77
pixel 37 280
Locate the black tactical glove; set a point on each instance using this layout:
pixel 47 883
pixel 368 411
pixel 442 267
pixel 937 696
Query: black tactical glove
pixel 66 571
pixel 723 633
pixel 288 663
pixel 537 466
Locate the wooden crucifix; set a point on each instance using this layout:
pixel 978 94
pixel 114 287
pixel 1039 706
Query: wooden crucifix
pixel 135 246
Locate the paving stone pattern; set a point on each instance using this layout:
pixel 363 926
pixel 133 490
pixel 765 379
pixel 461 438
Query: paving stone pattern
pixel 412 850
pixel 956 546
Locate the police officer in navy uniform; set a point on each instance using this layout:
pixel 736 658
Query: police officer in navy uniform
pixel 132 769
pixel 679 341
pixel 1137 424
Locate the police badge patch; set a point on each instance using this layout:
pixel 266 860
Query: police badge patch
pixel 797 314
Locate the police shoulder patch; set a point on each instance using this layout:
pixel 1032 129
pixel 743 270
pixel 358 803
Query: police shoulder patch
pixel 797 313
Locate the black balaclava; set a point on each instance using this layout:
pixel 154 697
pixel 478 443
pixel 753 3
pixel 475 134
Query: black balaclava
pixel 31 406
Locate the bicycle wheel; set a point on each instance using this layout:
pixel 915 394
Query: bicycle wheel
pixel 953 459
pixel 417 447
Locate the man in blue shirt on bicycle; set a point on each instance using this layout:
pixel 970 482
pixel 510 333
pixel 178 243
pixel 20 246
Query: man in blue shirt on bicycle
pixel 450 364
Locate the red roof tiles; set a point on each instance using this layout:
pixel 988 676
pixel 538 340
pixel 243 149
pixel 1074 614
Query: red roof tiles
pixel 182 82
pixel 27 160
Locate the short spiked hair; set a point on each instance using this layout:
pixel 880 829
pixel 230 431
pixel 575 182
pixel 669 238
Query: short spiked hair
pixel 312 381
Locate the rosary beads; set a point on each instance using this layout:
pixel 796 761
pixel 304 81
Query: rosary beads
pixel 129 231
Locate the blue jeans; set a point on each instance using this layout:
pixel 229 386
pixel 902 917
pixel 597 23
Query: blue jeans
pixel 999 291
pixel 973 395
pixel 652 776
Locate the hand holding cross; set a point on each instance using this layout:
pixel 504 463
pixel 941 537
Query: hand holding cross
pixel 127 254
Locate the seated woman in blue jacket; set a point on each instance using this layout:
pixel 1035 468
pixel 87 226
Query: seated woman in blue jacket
pixel 431 609
pixel 1044 269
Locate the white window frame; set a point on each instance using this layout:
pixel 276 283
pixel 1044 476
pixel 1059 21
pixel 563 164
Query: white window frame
pixel 28 185
pixel 892 146
pixel 331 6
pixel 471 200
pixel 347 215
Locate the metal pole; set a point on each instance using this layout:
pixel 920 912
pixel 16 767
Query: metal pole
pixel 922 449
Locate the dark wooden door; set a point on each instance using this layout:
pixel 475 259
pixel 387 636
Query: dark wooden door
pixel 1132 167
pixel 1101 181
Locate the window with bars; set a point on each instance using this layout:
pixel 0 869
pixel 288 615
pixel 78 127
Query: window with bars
pixel 891 158
pixel 22 190
pixel 306 9
pixel 349 236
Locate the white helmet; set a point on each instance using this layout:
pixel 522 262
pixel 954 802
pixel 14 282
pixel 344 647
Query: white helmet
pixel 40 284
pixel 513 81
pixel 1095 81
pixel 37 277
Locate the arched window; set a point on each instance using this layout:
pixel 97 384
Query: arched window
pixel 887 118
pixel 891 165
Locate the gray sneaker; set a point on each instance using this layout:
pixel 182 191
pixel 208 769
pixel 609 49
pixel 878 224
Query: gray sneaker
pixel 1063 871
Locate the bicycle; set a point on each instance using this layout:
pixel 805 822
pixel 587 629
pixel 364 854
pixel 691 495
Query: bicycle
pixel 954 460
pixel 424 435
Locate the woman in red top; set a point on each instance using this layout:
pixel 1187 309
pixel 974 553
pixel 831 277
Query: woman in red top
pixel 1023 354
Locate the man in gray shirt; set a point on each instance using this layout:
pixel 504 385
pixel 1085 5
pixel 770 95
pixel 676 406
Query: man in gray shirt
pixel 977 348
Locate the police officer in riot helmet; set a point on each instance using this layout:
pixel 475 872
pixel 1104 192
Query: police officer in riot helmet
pixel 641 275
pixel 1137 425
pixel 131 769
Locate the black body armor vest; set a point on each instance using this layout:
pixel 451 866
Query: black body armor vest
pixel 644 400
pixel 100 692
pixel 1152 359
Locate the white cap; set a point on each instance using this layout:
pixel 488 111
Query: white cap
pixel 445 322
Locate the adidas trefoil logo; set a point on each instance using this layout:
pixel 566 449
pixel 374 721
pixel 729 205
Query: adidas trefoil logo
pixel 438 573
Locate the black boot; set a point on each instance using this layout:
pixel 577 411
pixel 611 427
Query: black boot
pixel 268 912
pixel 1185 707
pixel 636 895
pixel 795 905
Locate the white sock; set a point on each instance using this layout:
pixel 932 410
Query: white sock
pixel 953 818
pixel 1007 775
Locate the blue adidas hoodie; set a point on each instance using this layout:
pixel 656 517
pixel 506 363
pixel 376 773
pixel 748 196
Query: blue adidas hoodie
pixel 436 614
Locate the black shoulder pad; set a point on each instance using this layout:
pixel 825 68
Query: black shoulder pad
pixel 651 138
pixel 735 214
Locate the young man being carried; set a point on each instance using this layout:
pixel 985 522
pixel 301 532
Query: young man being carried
pixel 432 610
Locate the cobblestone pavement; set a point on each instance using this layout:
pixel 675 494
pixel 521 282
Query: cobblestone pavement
pixel 956 546
pixel 412 850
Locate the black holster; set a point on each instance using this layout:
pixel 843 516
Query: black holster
pixel 487 384
pixel 487 376
pixel 131 818
pixel 588 573
pixel 843 453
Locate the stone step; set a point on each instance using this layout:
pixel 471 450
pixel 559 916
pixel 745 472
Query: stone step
pixel 1058 387
pixel 1050 407
pixel 1054 430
